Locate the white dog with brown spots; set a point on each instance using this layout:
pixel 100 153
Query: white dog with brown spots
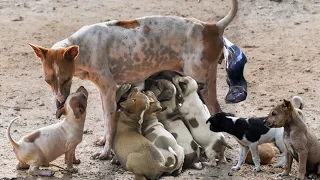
pixel 116 52
pixel 172 121
pixel 195 114
pixel 153 130
pixel 48 143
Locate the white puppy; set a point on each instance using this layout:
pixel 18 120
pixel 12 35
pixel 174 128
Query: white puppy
pixel 48 143
pixel 195 115
pixel 172 121
pixel 153 130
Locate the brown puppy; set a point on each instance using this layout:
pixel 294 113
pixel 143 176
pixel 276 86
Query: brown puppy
pixel 136 153
pixel 48 143
pixel 301 144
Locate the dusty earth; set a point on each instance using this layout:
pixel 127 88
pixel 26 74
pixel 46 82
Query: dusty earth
pixel 281 41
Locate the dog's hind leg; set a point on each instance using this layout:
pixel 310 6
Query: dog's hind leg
pixel 243 154
pixel 22 165
pixel 139 177
pixel 255 156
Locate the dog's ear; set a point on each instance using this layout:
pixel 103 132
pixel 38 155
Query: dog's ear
pixel 78 111
pixel 155 107
pixel 40 51
pixel 127 104
pixel 71 52
pixel 286 103
pixel 60 112
pixel 165 95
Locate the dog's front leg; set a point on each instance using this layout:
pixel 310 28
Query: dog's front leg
pixel 287 166
pixel 303 156
pixel 243 154
pixel 69 157
pixel 255 156
pixel 107 89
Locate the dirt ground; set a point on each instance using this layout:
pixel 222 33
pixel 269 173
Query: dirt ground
pixel 281 41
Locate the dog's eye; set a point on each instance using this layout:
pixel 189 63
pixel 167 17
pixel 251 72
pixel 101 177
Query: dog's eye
pixel 273 113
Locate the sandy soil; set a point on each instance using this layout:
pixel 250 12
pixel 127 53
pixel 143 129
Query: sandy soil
pixel 281 41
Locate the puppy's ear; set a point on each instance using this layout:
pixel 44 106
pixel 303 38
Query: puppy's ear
pixel 127 104
pixel 78 111
pixel 155 107
pixel 286 103
pixel 165 95
pixel 60 112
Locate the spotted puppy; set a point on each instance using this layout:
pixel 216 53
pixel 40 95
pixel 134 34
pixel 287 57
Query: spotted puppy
pixel 48 143
pixel 195 114
pixel 301 144
pixel 153 130
pixel 249 132
pixel 172 121
pixel 135 152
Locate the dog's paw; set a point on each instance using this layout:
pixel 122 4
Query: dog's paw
pixel 278 165
pixel 76 161
pixel 100 142
pixel 48 173
pixel 256 169
pixel 73 170
pixel 102 156
pixel 115 161
pixel 197 165
pixel 235 168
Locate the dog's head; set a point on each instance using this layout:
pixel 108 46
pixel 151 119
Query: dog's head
pixel 155 106
pixel 59 67
pixel 279 115
pixel 220 121
pixel 163 89
pixel 185 85
pixel 75 106
pixel 136 103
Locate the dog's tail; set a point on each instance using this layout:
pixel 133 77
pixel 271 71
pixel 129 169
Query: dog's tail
pixel 224 22
pixel 13 143
pixel 174 166
pixel 224 142
pixel 297 102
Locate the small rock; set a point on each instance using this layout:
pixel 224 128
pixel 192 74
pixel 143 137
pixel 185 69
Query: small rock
pixel 260 108
pixel 276 0
pixel 54 8
pixel 296 59
pixel 296 23
pixel 42 104
pixel 16 108
pixel 261 68
pixel 20 18
pixel 15 130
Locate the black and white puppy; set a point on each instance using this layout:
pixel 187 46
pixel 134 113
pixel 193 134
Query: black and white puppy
pixel 249 132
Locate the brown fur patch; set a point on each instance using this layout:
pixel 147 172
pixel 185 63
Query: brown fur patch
pixel 32 137
pixel 146 29
pixel 78 105
pixel 213 43
pixel 128 24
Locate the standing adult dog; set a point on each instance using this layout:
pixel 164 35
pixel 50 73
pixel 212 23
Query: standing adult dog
pixel 128 51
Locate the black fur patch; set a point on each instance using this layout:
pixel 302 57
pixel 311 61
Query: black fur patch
pixel 189 159
pixel 175 135
pixel 193 122
pixel 169 162
pixel 194 145
pixel 252 128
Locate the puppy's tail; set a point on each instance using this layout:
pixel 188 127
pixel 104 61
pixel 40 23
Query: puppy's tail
pixel 224 22
pixel 172 167
pixel 297 102
pixel 13 143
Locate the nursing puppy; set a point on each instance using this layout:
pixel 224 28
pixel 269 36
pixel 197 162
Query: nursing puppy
pixel 153 130
pixel 165 91
pixel 48 143
pixel 136 153
pixel 195 114
pixel 300 143
pixel 249 132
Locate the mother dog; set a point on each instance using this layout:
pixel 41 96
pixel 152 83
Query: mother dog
pixel 116 52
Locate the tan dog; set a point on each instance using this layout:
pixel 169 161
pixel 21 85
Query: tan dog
pixel 136 153
pixel 153 130
pixel 266 154
pixel 48 143
pixel 301 144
